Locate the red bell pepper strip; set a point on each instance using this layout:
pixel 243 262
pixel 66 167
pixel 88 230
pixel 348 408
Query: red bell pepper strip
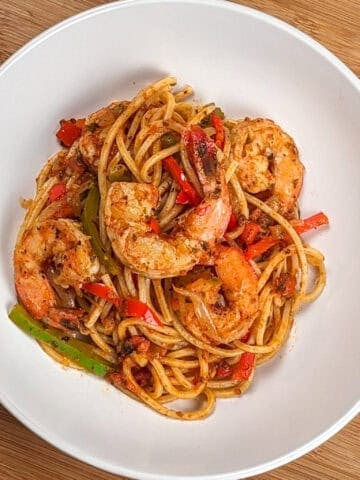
pixel 246 337
pixel 250 232
pixel 135 308
pixel 232 223
pixel 219 130
pixel 182 198
pixel 260 247
pixel 223 370
pixel 130 307
pixel 315 221
pixel 244 367
pixel 154 225
pixel 300 226
pixel 103 291
pixel 178 175
pixel 69 131
pixel 57 192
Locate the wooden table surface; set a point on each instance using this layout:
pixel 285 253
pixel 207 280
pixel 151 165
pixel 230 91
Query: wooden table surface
pixel 336 24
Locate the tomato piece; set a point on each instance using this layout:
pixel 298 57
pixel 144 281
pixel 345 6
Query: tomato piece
pixel 251 230
pixel 223 370
pixel 141 343
pixel 143 377
pixel 285 284
pixel 69 131
pixel 218 124
pixel 116 378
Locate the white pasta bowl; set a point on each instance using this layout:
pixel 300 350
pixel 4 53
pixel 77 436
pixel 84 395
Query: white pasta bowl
pixel 249 64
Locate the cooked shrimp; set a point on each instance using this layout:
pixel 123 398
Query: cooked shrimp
pixel 61 244
pixel 268 161
pixel 130 206
pixel 223 307
pixel 96 128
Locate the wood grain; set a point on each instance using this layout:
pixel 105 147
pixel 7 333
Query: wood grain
pixel 335 24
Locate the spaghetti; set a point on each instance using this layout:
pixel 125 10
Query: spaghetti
pixel 164 245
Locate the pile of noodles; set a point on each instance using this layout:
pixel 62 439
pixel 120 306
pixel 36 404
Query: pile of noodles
pixel 178 365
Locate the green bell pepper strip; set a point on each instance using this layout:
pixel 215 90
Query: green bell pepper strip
pixel 75 350
pixel 88 219
pixel 119 173
pixel 169 139
pixel 119 176
pixel 92 202
pixel 206 121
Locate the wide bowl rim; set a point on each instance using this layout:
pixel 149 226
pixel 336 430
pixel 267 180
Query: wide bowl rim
pixel 65 446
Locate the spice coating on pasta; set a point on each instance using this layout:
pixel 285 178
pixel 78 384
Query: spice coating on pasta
pixel 164 243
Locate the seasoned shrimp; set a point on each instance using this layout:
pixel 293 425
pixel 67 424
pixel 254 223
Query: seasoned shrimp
pixel 223 307
pixel 130 206
pixel 268 161
pixel 96 128
pixel 61 244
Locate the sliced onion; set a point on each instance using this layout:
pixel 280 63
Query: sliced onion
pixel 51 210
pixel 66 296
pixel 200 308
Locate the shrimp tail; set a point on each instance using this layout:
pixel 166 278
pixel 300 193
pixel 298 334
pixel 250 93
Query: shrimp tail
pixel 64 318
pixel 63 245
pixel 203 153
